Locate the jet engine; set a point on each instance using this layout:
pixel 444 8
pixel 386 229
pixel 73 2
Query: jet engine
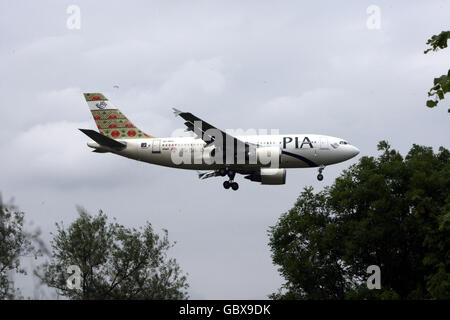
pixel 268 176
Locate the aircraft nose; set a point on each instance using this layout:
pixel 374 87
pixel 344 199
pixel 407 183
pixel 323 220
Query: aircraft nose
pixel 354 151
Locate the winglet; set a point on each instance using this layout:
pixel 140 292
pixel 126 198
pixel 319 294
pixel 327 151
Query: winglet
pixel 177 112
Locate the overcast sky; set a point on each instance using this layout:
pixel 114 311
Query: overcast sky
pixel 300 67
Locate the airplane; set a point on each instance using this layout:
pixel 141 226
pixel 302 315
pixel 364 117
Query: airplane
pixel 213 152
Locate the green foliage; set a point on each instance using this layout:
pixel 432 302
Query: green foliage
pixel 15 243
pixel 302 245
pixel 390 211
pixel 115 262
pixel 437 42
pixel 441 85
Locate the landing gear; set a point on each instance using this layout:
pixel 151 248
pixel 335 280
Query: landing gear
pixel 226 171
pixel 229 183
pixel 320 176
pixel 231 174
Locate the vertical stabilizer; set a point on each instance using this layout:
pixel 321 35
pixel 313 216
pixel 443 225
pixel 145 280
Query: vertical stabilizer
pixel 110 121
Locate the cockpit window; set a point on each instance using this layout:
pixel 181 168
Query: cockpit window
pixel 343 142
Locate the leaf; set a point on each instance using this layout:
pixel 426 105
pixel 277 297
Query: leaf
pixel 438 41
pixel 441 84
pixel 431 103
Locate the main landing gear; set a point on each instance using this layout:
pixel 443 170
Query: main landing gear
pixel 229 183
pixel 320 176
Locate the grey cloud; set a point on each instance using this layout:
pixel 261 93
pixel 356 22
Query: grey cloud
pixel 296 67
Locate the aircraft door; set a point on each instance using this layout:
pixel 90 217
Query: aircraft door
pixel 324 144
pixel 156 147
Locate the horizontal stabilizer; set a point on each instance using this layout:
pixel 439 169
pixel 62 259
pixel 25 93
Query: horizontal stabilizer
pixel 104 140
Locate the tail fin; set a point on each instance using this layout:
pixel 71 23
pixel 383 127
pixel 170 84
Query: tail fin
pixel 110 121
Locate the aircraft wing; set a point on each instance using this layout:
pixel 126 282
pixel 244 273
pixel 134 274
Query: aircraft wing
pixel 202 175
pixel 208 174
pixel 211 134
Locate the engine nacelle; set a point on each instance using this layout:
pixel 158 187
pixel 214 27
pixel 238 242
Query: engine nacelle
pixel 269 176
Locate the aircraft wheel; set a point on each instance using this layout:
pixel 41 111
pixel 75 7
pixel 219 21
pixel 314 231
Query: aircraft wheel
pixel 234 186
pixel 226 185
pixel 223 172
pixel 320 177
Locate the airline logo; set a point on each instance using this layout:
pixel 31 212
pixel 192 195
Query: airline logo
pixel 101 105
pixel 288 140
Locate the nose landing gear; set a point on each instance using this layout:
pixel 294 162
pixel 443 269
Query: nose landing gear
pixel 320 176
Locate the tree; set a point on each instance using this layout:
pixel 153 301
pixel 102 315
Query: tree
pixel 389 211
pixel 441 85
pixel 15 243
pixel 114 262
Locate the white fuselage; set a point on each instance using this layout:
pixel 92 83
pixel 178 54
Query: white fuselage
pixel 293 151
